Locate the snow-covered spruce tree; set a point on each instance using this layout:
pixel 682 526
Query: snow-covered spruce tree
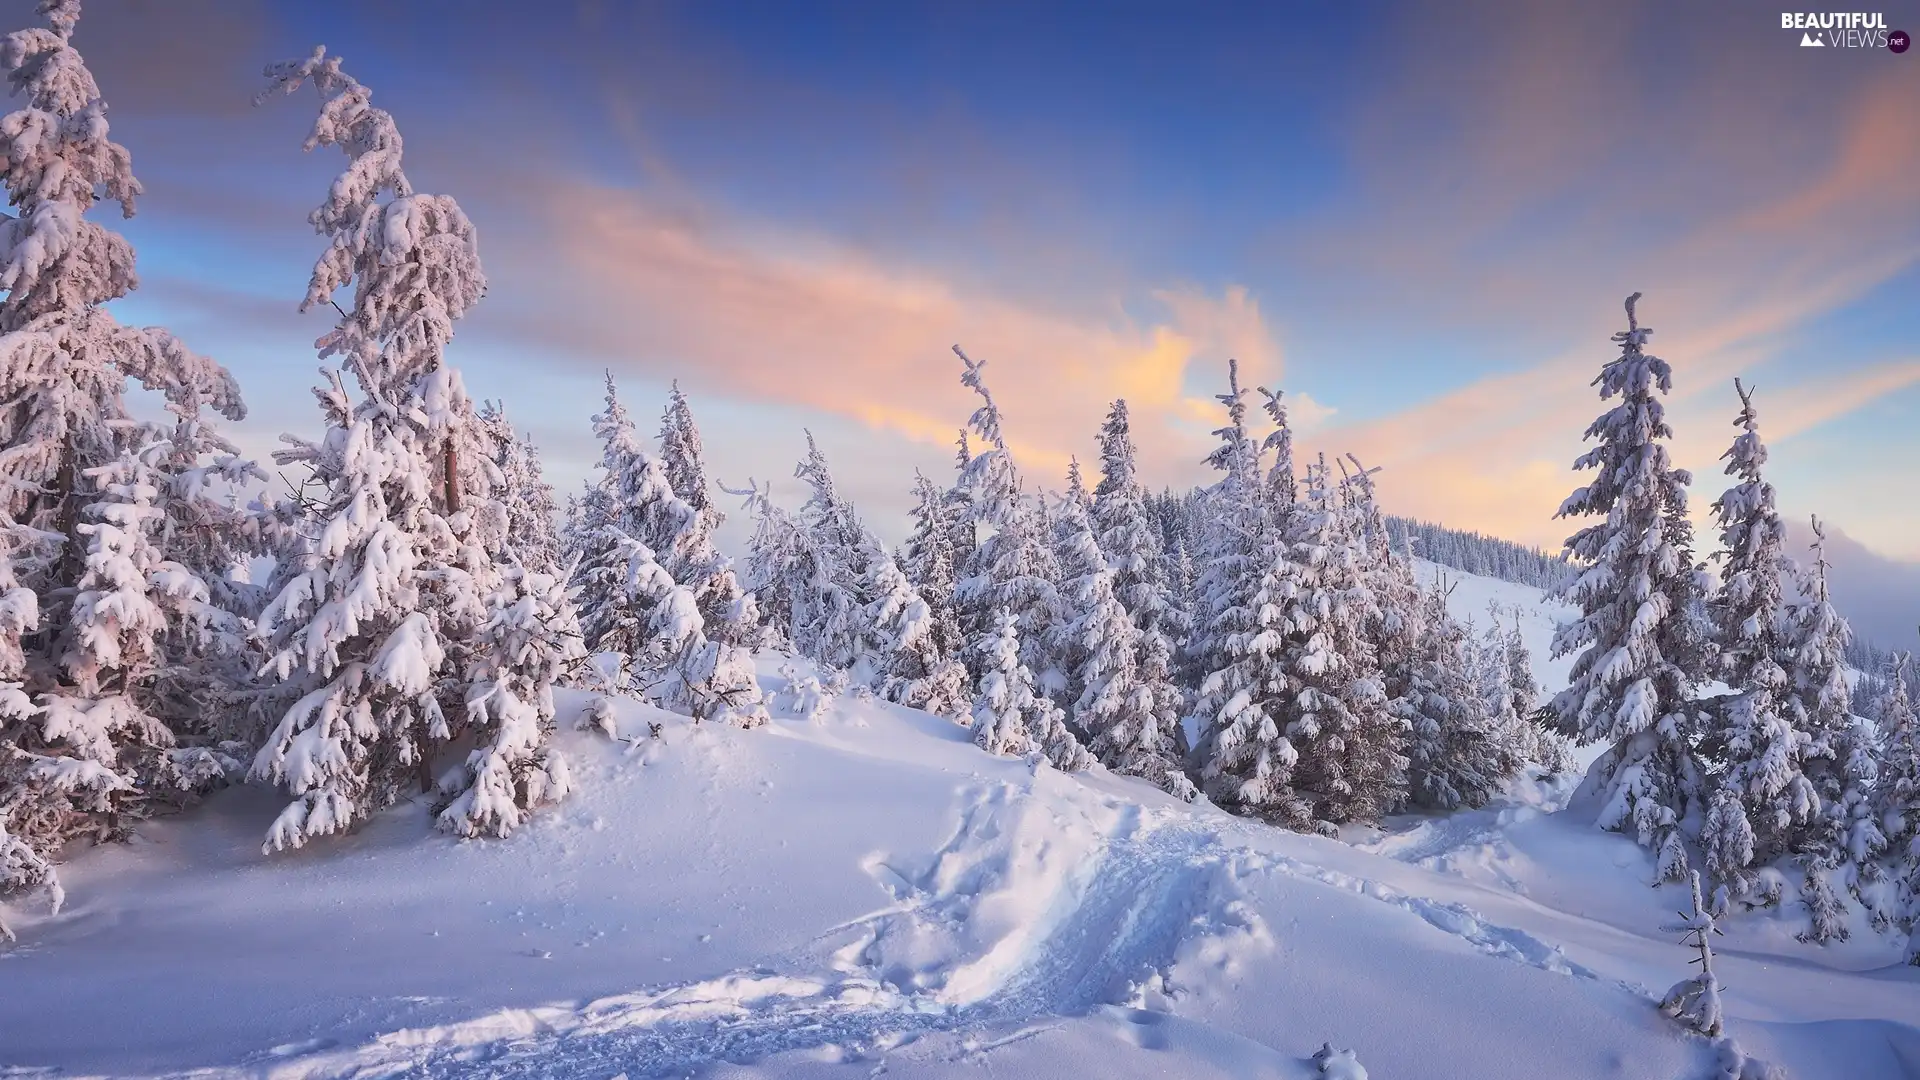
pixel 1125 701
pixel 1838 763
pixel 1245 757
pixel 526 644
pixel 92 698
pixel 773 565
pixel 928 562
pixel 1126 535
pixel 729 611
pixel 1427 663
pixel 1074 555
pixel 1011 569
pixel 633 605
pixel 1510 673
pixel 827 570
pixel 1896 795
pixel 1352 767
pixel 903 649
pixel 1637 669
pixel 613 619
pixel 1010 715
pixel 532 524
pixel 1458 752
pixel 1762 752
pixel 384 614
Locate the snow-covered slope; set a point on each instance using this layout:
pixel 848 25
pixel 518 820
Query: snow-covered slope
pixel 869 891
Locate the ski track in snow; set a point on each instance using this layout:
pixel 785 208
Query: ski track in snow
pixel 1105 925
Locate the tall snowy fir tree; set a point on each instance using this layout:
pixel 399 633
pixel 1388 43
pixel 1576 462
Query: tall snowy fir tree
pixel 1896 797
pixel 1455 758
pixel 1636 671
pixel 729 612
pixel 1839 764
pixel 929 564
pixel 1245 757
pixel 111 621
pixel 1127 708
pixel 1010 570
pixel 1351 763
pixel 827 569
pixel 612 618
pixel 385 619
pixel 1762 753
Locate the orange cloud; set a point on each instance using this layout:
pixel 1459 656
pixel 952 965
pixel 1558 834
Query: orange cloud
pixel 761 314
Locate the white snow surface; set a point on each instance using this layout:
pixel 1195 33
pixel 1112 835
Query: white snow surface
pixel 866 892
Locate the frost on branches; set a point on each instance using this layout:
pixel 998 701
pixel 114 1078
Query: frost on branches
pixel 103 605
pixel 1638 666
pixel 385 618
pixel 1010 715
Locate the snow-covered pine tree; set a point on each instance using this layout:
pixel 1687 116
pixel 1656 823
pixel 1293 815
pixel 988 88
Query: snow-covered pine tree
pixel 1245 757
pixel 1463 744
pixel 730 613
pixel 1351 763
pixel 599 523
pixel 90 504
pixel 525 496
pixel 1126 535
pixel 528 641
pixel 903 650
pixel 1540 744
pixel 827 572
pixel 1896 795
pixel 1010 715
pixel 1010 570
pixel 1636 672
pixel 386 615
pixel 1838 762
pixel 773 565
pixel 1124 702
pixel 1074 558
pixel 1761 751
pixel 929 564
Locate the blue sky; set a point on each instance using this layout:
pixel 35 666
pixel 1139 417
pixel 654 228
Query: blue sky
pixel 1421 219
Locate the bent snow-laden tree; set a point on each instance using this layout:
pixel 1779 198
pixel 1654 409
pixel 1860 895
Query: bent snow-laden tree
pixel 1637 668
pixel 103 602
pixel 394 616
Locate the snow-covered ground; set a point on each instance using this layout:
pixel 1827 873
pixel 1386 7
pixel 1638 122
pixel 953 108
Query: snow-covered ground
pixel 869 893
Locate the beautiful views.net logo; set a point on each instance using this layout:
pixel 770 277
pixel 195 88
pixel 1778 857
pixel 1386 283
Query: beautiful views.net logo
pixel 1845 30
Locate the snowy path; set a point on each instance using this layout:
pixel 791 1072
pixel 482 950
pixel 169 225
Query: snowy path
pixel 1072 921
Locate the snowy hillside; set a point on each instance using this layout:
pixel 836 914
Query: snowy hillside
pixel 869 892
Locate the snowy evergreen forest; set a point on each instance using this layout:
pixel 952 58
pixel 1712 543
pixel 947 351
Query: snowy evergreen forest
pixel 1263 642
